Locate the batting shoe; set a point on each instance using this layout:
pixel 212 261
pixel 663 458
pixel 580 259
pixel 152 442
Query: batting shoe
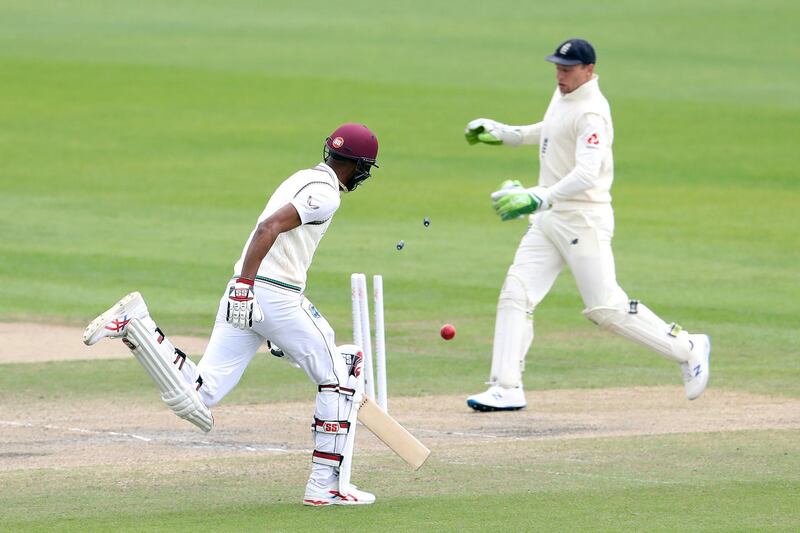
pixel 113 322
pixel 498 398
pixel 696 370
pixel 319 497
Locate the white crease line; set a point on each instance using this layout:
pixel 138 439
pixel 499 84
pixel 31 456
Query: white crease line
pixel 93 432
pixel 76 430
pixel 192 444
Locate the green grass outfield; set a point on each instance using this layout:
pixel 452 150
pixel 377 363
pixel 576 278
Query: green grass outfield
pixel 140 140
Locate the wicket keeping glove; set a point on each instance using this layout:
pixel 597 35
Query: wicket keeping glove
pixel 519 202
pixel 506 188
pixel 243 308
pixel 488 131
pixel 484 130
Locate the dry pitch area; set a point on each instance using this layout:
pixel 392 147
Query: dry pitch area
pixel 46 435
pixel 54 435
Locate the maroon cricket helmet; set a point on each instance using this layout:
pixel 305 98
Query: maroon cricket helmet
pixel 357 143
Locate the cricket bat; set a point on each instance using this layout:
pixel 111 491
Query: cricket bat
pixel 395 436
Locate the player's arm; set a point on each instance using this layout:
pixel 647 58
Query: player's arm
pixel 313 204
pixel 592 143
pixel 593 140
pixel 243 308
pixel 488 131
pixel 284 219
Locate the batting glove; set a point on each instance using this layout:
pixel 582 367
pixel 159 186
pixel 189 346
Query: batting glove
pixel 521 202
pixel 243 308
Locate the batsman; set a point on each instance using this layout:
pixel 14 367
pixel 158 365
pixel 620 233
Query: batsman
pixel 265 300
pixel 571 224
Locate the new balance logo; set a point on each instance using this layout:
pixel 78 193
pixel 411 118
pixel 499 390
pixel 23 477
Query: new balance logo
pixel 697 370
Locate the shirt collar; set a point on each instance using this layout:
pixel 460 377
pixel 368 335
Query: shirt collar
pixel 583 90
pixel 323 167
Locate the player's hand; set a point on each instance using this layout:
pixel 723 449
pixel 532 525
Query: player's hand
pixel 243 309
pixel 506 188
pixel 483 130
pixel 521 202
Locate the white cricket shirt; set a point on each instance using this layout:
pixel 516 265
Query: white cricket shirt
pixel 314 192
pixel 575 159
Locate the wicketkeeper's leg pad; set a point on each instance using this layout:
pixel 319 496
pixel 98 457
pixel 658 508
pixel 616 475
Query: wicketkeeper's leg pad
pixel 636 322
pixel 513 333
pixel 163 363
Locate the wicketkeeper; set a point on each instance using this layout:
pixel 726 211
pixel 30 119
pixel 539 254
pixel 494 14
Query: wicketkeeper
pixel 265 300
pixel 571 225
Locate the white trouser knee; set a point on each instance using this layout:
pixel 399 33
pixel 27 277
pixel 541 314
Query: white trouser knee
pixel 513 333
pixel 634 321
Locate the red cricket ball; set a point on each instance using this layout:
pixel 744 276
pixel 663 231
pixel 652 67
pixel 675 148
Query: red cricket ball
pixel 447 332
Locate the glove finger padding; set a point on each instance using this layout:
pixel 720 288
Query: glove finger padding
pixel 488 137
pixel 242 303
pixel 480 124
pixel 479 130
pixel 516 204
pixel 506 188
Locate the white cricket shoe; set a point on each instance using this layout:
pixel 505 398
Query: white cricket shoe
pixel 113 322
pixel 498 398
pixel 330 495
pixel 696 370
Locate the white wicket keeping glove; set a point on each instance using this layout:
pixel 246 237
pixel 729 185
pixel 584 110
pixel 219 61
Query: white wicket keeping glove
pixel 243 308
pixel 488 131
pixel 520 202
pixel 506 188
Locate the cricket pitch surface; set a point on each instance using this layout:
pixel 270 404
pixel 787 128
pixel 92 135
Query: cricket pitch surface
pixel 47 434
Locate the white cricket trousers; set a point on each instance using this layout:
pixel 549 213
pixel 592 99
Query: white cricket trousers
pixel 291 321
pixel 577 238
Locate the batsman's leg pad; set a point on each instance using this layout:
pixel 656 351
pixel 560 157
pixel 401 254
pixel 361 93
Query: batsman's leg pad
pixel 353 393
pixel 636 322
pixel 329 430
pixel 335 423
pixel 513 333
pixel 161 361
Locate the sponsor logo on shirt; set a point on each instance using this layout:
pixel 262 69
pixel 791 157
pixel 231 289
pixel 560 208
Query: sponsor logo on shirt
pixel 593 140
pixel 311 204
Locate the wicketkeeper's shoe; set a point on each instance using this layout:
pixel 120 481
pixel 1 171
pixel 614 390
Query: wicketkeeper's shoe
pixel 319 497
pixel 498 398
pixel 696 370
pixel 113 322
